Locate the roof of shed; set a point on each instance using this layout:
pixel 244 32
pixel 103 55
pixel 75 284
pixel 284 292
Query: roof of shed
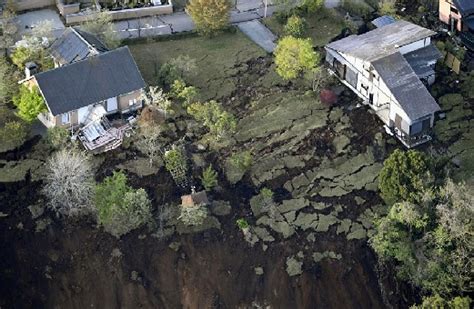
pixel 75 45
pixel 89 81
pixel 465 7
pixel 405 86
pixel 423 59
pixel 383 21
pixel 382 41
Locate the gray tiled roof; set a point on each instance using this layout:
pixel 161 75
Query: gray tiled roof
pixel 405 86
pixel 382 41
pixel 75 45
pixel 423 60
pixel 90 81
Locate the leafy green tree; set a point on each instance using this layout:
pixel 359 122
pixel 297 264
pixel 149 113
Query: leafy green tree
pixel 467 85
pixel 295 26
pixel 312 6
pixel 30 103
pixel 210 16
pixel 430 243
pixel 209 178
pixel 242 223
pixel 8 82
pixel 103 27
pixel 405 176
pixel 176 163
pixel 58 137
pixel 211 114
pixel 181 68
pixel 12 135
pixel 8 28
pixel 242 161
pixel 186 94
pixel 120 208
pixel 294 56
pixel 438 302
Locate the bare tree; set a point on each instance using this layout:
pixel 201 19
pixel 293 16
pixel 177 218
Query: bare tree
pixel 69 183
pixel 148 142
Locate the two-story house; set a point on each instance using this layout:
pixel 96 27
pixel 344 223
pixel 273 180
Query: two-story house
pixel 389 69
pixel 459 15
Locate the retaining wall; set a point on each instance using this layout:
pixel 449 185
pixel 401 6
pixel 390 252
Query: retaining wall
pixel 23 5
pixel 122 14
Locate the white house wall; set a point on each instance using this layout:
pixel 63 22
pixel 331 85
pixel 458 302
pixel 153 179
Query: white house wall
pixel 415 46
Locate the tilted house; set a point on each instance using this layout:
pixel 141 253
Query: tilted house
pixel 388 68
pixel 459 15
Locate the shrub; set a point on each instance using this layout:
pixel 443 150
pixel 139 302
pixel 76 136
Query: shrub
pixel 181 68
pixel 242 223
pixel 312 6
pixel 388 8
pixel 180 91
pixel 210 16
pixel 242 161
pixel 156 98
pixel 58 137
pixel 8 81
pixel 209 178
pixel 176 164
pixel 294 56
pixel 356 7
pixel 211 114
pixel 103 27
pixel 438 302
pixel 69 184
pixel 120 208
pixel 12 135
pixel 295 26
pixel 29 103
pixel 405 176
pixel 193 215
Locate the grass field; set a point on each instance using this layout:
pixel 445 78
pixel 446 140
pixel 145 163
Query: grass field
pixel 322 27
pixel 218 60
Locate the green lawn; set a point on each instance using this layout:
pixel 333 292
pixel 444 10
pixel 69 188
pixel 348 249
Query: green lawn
pixel 322 27
pixel 219 60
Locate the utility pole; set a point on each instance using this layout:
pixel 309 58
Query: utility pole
pixel 266 7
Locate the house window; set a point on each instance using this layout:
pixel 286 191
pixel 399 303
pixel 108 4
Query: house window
pixel 132 102
pixel 65 118
pixel 454 10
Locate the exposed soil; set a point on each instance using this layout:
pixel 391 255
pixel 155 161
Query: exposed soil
pixel 71 266
pixel 75 265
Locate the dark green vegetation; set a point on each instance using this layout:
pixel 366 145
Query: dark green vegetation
pixel 428 228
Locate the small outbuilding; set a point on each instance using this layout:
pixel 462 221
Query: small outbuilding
pixel 194 199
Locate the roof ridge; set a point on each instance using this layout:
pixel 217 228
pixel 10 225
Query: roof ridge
pixel 88 59
pixel 83 39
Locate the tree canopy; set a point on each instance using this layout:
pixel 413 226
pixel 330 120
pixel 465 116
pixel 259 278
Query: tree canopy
pixel 210 16
pixel 30 103
pixel 295 56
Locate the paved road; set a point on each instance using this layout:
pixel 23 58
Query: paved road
pixel 259 34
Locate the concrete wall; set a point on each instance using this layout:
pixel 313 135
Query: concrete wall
pixel 123 14
pixel 23 5
pixel 66 9
pixel 445 13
